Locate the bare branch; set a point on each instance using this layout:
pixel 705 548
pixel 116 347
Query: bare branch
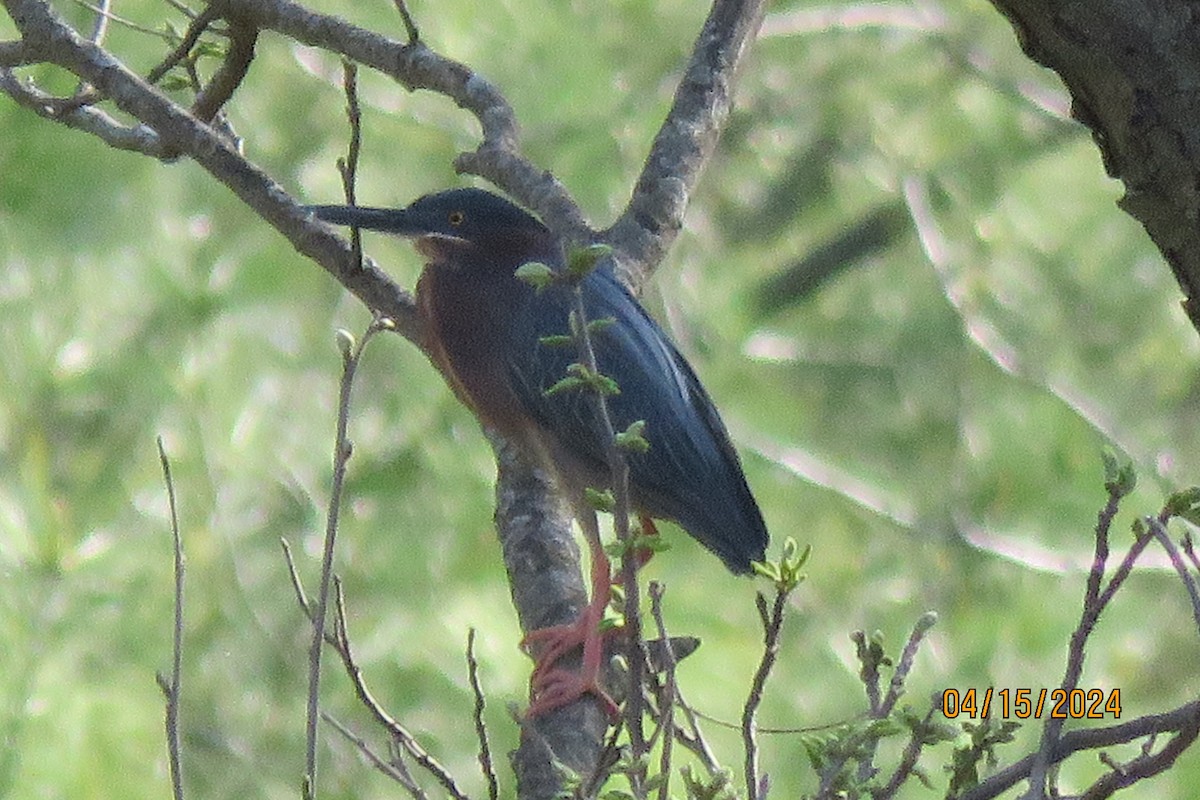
pixel 772 625
pixel 542 559
pixel 171 687
pixel 416 66
pixel 199 25
pixel 1159 529
pixel 1130 69
pixel 1145 765
pixel 1094 603
pixel 685 142
pixel 100 26
pixel 409 26
pixel 908 759
pixel 348 166
pixel 693 739
pixel 485 751
pixel 904 666
pixel 666 709
pixel 231 73
pixel 14 54
pixel 49 38
pixel 136 138
pixel 394 770
pixel 297 584
pixel 351 356
pixel 340 641
pixel 1184 720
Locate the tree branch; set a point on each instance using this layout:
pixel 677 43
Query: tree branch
pixel 1132 71
pixel 1184 720
pixel 542 559
pixel 536 536
pixel 51 39
pixel 685 142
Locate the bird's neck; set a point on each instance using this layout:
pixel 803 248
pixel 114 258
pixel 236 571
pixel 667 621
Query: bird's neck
pixel 466 314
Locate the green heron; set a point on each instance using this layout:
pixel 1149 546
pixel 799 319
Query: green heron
pixel 486 332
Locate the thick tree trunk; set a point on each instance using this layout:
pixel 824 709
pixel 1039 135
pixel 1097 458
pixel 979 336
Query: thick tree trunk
pixel 1133 70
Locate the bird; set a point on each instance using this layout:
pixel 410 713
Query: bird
pixel 491 335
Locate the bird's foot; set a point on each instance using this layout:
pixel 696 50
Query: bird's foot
pixel 552 687
pixel 560 687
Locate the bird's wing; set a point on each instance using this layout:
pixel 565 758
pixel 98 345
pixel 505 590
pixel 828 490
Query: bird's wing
pixel 690 473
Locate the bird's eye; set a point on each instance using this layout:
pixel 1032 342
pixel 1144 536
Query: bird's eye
pixel 456 218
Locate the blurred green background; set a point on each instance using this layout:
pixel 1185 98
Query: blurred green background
pixel 904 279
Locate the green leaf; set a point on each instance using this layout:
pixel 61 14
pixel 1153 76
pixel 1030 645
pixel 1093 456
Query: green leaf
pixel 557 340
pixel 1119 479
pixel 536 274
pixel 598 325
pixel 597 382
pixel 209 49
pixel 174 83
pixel 1185 504
pixel 567 384
pixel 632 439
pixel 581 261
pixel 600 500
pixel 603 384
pixel 1139 528
pixel 345 342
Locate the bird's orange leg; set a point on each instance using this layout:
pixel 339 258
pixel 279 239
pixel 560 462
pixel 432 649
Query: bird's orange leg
pixel 643 555
pixel 552 687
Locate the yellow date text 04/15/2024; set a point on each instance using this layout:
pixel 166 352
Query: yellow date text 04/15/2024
pixel 1032 703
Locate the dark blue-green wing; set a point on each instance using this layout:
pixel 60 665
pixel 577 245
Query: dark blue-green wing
pixel 690 474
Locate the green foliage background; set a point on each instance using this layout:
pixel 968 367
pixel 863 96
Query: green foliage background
pixel 929 416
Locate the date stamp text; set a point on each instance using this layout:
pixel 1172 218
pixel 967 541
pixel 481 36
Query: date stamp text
pixel 1032 703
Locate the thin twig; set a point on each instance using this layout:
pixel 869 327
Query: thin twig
pixel 211 12
pixel 339 640
pixel 348 166
pixel 485 752
pixel 1189 550
pixel 908 759
pixel 393 769
pixel 171 688
pixel 666 708
pixel 1094 602
pixel 229 76
pixel 619 470
pixel 410 27
pixel 772 624
pixel 1181 720
pixel 610 754
pixel 693 739
pixel 1143 766
pixel 351 355
pixel 130 24
pixel 297 585
pixel 904 666
pixel 1159 529
pixel 73 114
pixel 398 733
pixel 882 708
pixel 868 675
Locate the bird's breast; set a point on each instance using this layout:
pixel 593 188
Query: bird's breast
pixel 467 331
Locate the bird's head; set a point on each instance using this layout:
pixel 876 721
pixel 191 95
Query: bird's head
pixel 459 228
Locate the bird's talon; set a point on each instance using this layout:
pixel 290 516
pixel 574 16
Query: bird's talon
pixel 561 687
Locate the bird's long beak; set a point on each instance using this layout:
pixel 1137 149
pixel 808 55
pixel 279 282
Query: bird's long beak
pixel 437 246
pixel 396 221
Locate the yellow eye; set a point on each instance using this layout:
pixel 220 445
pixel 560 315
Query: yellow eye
pixel 456 218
